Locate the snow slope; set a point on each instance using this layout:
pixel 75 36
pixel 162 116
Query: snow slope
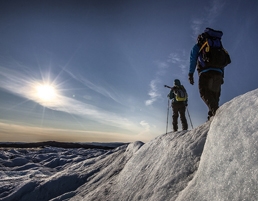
pixel 159 170
pixel 229 166
pixel 175 166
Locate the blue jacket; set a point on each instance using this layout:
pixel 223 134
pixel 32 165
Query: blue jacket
pixel 193 61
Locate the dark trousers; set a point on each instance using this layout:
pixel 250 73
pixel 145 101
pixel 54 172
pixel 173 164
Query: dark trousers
pixel 210 89
pixel 179 109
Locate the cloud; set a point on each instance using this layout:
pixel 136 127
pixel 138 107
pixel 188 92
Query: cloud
pixel 145 125
pixel 175 60
pixel 210 15
pixel 196 27
pixel 214 10
pixel 99 89
pixel 180 60
pixel 87 97
pixel 24 85
pixel 162 67
pixel 145 133
pixel 153 93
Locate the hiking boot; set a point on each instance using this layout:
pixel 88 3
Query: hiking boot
pixel 175 127
pixel 210 118
pixel 210 114
pixel 184 127
pixel 213 111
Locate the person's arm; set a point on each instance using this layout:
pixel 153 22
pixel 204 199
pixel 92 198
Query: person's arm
pixel 193 62
pixel 193 58
pixel 171 94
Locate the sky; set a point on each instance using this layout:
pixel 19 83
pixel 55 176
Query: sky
pixel 95 70
pixel 214 161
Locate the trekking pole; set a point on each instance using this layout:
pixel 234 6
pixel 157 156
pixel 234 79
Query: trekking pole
pixel 189 117
pixel 167 117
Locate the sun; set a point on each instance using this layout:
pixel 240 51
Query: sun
pixel 46 92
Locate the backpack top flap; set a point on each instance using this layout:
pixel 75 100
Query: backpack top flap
pixel 213 33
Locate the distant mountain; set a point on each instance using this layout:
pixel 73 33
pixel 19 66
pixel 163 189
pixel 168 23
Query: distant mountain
pixel 62 144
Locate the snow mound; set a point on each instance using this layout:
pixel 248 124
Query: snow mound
pixel 134 147
pixel 158 170
pixel 229 164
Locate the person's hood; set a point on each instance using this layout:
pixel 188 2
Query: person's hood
pixel 177 82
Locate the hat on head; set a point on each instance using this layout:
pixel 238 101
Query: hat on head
pixel 177 82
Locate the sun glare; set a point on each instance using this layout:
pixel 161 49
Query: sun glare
pixel 46 92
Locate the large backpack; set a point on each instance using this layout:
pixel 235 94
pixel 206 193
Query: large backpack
pixel 212 53
pixel 180 93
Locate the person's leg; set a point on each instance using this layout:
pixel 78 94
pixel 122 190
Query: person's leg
pixel 182 116
pixel 216 90
pixel 175 117
pixel 209 88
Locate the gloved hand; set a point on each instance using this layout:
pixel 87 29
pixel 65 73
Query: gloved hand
pixel 191 79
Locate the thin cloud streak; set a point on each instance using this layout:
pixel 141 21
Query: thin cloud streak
pixel 153 93
pixel 211 14
pixel 180 60
pixel 21 85
pixel 215 10
pixel 175 59
pixel 196 27
pixel 114 96
pixel 145 125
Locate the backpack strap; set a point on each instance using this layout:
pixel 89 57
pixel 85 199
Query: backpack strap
pixel 184 90
pixel 204 44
